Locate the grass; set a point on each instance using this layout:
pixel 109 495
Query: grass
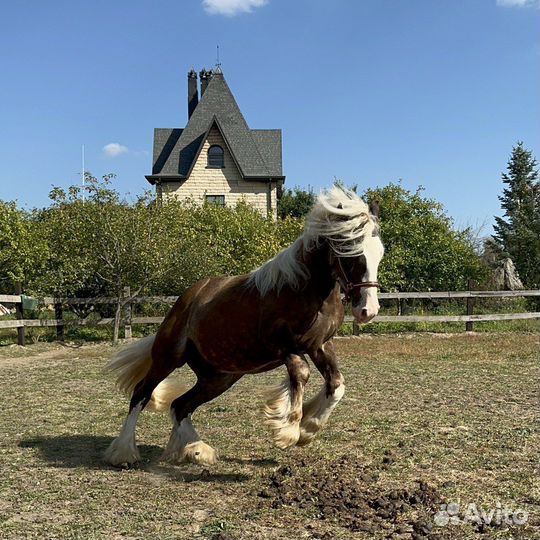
pixel 459 412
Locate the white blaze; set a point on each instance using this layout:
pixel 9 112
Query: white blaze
pixel 368 306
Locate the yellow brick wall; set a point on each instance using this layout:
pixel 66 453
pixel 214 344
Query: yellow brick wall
pixel 227 181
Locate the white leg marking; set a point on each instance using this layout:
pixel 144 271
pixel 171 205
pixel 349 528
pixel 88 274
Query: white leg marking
pixel 316 413
pixel 123 450
pixel 281 417
pixel 185 445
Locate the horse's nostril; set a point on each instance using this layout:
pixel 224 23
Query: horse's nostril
pixel 364 312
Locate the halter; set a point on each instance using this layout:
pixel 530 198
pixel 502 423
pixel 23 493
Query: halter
pixel 348 286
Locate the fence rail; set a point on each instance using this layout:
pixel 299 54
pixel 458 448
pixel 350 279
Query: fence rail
pixel 128 301
pixel 383 296
pixel 453 318
pixel 108 300
pixel 458 294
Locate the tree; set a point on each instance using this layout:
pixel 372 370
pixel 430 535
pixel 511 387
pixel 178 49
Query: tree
pixel 217 241
pixel 70 268
pixel 22 247
pixel 517 234
pixel 422 250
pixel 296 202
pixel 102 243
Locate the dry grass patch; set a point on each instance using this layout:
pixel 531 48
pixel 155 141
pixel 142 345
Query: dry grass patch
pixel 458 414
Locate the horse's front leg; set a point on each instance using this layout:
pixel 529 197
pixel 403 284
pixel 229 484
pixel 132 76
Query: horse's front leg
pixel 283 408
pixel 317 411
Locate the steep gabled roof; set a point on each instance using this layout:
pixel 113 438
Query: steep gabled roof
pixel 256 152
pixel 165 139
pixel 269 143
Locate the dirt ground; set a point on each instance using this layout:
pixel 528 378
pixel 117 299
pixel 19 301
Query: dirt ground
pixel 437 437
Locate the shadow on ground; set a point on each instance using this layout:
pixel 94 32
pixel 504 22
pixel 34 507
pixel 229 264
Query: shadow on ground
pixel 76 451
pixel 185 472
pixel 259 462
pixel 73 451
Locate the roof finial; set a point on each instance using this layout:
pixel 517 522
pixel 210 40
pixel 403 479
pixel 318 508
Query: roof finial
pixel 218 63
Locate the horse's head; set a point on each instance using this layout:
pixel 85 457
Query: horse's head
pixel 358 274
pixel 349 227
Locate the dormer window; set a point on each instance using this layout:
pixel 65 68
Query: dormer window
pixel 215 157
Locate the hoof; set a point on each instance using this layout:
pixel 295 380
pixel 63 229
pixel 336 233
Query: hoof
pixel 196 452
pixel 308 430
pixel 287 436
pixel 121 453
pixel 305 439
pixel 200 453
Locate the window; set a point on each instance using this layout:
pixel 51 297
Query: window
pixel 215 157
pixel 218 200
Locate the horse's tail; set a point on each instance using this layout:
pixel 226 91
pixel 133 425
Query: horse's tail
pixel 131 365
pixel 165 393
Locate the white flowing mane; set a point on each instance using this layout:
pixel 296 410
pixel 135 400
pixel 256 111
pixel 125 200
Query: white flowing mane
pixel 340 217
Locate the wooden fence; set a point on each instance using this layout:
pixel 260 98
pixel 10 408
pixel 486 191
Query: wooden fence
pixel 468 318
pixel 128 302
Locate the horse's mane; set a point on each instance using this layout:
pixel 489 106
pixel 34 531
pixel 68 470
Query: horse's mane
pixel 340 217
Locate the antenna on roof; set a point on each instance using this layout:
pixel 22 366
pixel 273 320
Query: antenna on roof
pixel 218 63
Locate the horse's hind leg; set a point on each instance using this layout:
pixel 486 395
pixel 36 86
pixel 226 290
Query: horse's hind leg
pixel 185 443
pixel 123 450
pixel 283 408
pixel 317 411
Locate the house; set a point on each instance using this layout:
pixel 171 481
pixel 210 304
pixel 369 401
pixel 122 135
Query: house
pixel 217 158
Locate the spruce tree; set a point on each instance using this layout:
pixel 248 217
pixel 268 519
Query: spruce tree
pixel 517 233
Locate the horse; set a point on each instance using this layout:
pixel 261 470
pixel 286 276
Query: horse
pixel 223 328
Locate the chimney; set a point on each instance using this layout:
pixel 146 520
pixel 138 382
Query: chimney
pixel 205 77
pixel 193 95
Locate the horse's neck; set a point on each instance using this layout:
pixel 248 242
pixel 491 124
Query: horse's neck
pixel 321 281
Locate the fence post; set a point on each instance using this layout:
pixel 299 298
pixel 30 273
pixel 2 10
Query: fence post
pixel 355 328
pixel 21 338
pixel 470 306
pixel 127 314
pixel 59 315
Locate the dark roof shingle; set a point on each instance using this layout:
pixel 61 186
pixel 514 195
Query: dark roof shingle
pixel 257 152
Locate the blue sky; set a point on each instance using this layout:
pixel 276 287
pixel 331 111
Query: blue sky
pixel 368 91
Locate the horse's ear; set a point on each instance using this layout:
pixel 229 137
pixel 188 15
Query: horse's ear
pixel 374 208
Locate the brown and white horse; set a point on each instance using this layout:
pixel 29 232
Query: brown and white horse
pixel 226 327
